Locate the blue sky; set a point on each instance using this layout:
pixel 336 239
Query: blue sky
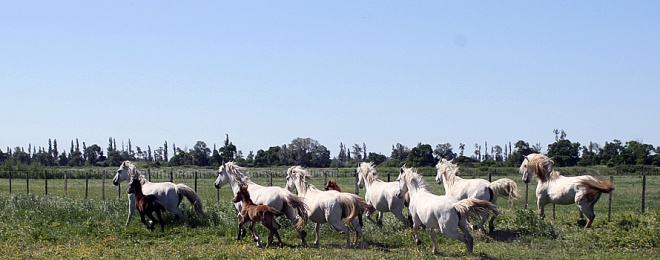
pixel 371 72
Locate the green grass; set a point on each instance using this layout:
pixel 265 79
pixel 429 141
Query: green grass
pixel 37 226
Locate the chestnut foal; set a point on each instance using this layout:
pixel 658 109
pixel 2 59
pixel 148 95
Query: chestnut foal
pixel 146 205
pixel 253 213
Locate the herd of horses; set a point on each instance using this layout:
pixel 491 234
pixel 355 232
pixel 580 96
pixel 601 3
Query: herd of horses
pixel 467 201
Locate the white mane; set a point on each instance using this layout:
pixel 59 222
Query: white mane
pixel 411 176
pixel 369 171
pixel 237 173
pixel 449 170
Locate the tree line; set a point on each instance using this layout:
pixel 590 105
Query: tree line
pixel 310 153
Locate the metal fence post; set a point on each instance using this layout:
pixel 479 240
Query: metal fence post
pixel 643 193
pixel 46 181
pixel 27 182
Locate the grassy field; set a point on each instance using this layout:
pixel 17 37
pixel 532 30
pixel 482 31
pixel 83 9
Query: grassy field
pixel 69 226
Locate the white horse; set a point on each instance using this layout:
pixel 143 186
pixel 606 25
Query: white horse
pixel 169 194
pixel 555 188
pixel 444 212
pixel 331 207
pixel 277 197
pixel 381 195
pixel 447 175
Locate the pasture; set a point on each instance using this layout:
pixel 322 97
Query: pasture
pixel 60 225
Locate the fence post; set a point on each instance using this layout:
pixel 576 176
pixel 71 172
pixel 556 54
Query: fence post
pixel 103 186
pixel 325 178
pixel 27 182
pixel 490 178
pixel 270 178
pixel 9 182
pixel 357 188
pixel 119 190
pixel 526 194
pixel 171 176
pixel 218 190
pixel 195 181
pixel 149 174
pixel 388 177
pixel 66 192
pixel 46 181
pixel 643 193
pixel 609 205
pixel 553 210
pixel 86 183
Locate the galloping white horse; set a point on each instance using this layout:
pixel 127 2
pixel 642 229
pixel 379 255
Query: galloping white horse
pixel 555 188
pixel 382 195
pixel 444 212
pixel 169 194
pixel 447 175
pixel 326 206
pixel 277 197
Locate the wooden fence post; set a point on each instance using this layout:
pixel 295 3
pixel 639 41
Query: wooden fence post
pixel 526 194
pixel 86 183
pixel 66 192
pixel 490 177
pixel 325 178
pixel 388 177
pixel 609 204
pixel 357 188
pixel 643 193
pixel 27 182
pixel 46 181
pixel 149 174
pixel 195 181
pixel 9 182
pixel 171 176
pixel 103 186
pixel 119 191
pixel 270 178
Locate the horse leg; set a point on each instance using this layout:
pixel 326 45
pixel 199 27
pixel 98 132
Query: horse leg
pixel 316 241
pixel 241 230
pixel 380 218
pixel 358 231
pixel 180 214
pixel 465 237
pixel 131 207
pixel 153 220
pixel 255 235
pixel 432 235
pixel 291 215
pixel 160 220
pixel 398 213
pixel 416 233
pixel 541 207
pixel 369 217
pixel 491 223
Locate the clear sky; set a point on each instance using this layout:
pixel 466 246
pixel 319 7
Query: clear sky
pixel 373 72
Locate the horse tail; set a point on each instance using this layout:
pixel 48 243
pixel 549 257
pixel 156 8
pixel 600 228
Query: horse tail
pixel 350 206
pixel 595 185
pixel 299 206
pixel 506 188
pixel 194 199
pixel 475 207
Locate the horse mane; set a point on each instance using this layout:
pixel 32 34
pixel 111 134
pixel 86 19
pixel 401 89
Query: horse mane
pixel 302 176
pixel 542 166
pixel 237 173
pixel 371 175
pixel 410 175
pixel 449 170
pixel 133 172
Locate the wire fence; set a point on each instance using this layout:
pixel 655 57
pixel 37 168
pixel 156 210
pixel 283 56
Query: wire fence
pixel 97 183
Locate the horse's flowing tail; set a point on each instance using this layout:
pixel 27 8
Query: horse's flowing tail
pixel 300 207
pixel 351 206
pixel 194 199
pixel 481 208
pixel 596 185
pixel 506 188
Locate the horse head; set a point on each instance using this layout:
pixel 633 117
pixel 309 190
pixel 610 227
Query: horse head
pixel 537 164
pixel 122 173
pixel 135 186
pixel 242 195
pixel 445 169
pixel 223 177
pixel 332 185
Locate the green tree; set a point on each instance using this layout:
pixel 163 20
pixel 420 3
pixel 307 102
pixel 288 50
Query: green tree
pixel 376 158
pixel 228 151
pixel 564 153
pixel 444 151
pixel 421 155
pixel 200 154
pixel 399 152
